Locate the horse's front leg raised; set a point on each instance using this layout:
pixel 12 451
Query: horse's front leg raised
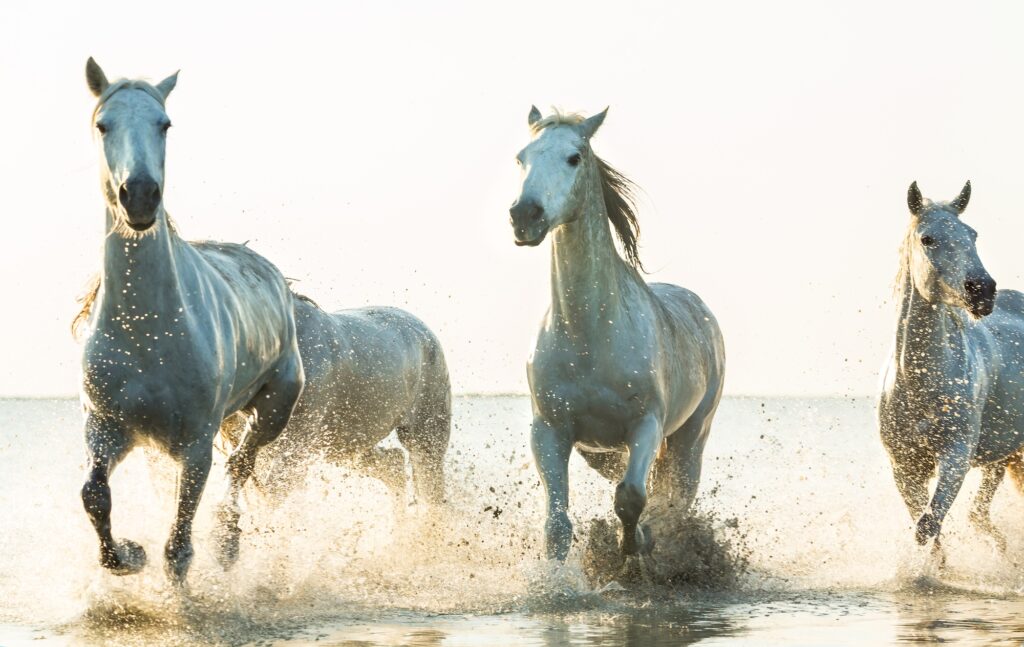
pixel 551 450
pixel 953 463
pixel 195 468
pixel 107 443
pixel 631 494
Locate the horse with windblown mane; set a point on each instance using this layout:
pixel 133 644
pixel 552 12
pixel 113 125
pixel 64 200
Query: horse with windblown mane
pixel 952 395
pixel 623 370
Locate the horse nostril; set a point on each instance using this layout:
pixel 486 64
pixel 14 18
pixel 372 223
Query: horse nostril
pixel 536 212
pixel 122 195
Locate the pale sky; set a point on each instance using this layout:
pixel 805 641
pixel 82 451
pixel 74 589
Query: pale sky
pixel 367 149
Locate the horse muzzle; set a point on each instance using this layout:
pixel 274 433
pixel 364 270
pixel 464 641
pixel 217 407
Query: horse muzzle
pixel 528 223
pixel 981 295
pixel 140 197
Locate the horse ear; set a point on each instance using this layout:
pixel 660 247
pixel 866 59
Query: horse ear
pixel 95 77
pixel 167 84
pixel 591 124
pixel 534 117
pixel 914 199
pixel 961 200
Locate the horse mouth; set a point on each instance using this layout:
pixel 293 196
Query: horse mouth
pixel 530 243
pixel 141 226
pixel 981 308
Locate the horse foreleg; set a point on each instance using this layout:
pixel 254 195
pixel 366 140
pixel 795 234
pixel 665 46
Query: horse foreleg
pixel 195 468
pixel 912 473
pixel 273 406
pixel 551 451
pixel 992 476
pixel 953 466
pixel 631 494
pixel 107 444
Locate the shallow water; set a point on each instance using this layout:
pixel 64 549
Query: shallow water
pixel 797 504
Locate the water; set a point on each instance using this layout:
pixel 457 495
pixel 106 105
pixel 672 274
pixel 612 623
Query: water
pixel 800 534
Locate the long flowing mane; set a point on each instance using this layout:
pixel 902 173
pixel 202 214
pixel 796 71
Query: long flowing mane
pixel 903 274
pixel 618 190
pixel 620 200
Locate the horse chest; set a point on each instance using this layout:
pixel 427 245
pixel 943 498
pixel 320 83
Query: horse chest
pixel 145 383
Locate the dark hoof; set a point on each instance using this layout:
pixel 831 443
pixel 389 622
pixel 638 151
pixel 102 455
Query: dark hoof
pixel 645 542
pixel 178 560
pixel 927 528
pixel 642 544
pixel 228 537
pixel 127 558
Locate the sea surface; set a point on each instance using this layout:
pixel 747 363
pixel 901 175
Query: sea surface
pixel 798 538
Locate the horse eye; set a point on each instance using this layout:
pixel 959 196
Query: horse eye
pixel 574 159
pixel 927 241
pixel 102 128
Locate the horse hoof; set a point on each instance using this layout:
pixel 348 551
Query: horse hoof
pixel 178 559
pixel 127 558
pixel 228 536
pixel 645 544
pixel 927 528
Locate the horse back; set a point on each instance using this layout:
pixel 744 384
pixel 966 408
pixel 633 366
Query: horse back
pixel 364 366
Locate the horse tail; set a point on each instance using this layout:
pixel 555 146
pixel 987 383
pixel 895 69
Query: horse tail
pixel 1015 466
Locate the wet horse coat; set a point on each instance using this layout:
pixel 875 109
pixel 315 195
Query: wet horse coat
pixel 952 397
pixel 368 371
pixel 620 365
pixel 176 335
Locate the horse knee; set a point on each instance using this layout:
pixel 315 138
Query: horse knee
pixel 630 499
pixel 96 494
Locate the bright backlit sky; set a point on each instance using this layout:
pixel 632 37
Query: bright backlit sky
pixel 367 149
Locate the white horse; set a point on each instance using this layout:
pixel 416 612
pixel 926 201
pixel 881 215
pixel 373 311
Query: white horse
pixel 620 366
pixel 952 395
pixel 177 335
pixel 368 371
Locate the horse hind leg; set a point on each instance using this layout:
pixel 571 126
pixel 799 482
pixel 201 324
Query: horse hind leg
pixel 1015 467
pixel 107 444
pixel 980 516
pixel 426 437
pixel 272 405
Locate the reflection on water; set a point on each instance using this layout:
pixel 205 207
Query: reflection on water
pixel 801 539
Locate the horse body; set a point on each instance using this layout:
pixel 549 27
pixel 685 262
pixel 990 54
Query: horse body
pixel 620 366
pixel 178 335
pixel 952 396
pixel 368 371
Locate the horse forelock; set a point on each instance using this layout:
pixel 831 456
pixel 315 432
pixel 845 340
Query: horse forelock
pixel 128 84
pixel 557 118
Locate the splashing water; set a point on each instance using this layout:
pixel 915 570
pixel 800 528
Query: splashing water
pixel 798 524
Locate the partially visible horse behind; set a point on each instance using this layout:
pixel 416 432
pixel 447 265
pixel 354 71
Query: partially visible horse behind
pixel 368 371
pixel 953 393
pixel 177 335
pixel 621 366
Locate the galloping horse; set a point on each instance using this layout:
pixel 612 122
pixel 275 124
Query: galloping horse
pixel 620 365
pixel 952 395
pixel 368 371
pixel 177 335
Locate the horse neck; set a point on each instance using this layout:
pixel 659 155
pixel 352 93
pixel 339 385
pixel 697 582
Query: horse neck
pixel 139 275
pixel 588 276
pixel 926 331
